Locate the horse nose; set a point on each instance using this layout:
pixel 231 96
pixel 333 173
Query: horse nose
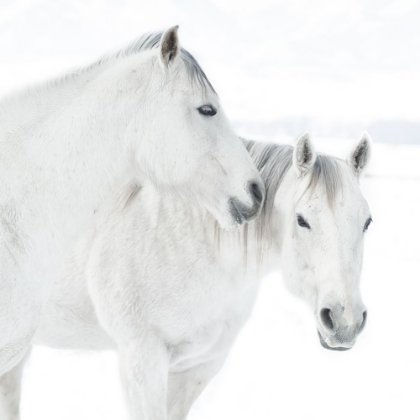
pixel 257 191
pixel 326 317
pixel 363 323
pixel 339 326
pixel 243 212
pixel 330 323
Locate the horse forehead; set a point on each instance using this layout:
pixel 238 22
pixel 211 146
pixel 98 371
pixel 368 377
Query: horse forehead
pixel 192 90
pixel 351 205
pixel 191 78
pixel 348 199
pixel 342 216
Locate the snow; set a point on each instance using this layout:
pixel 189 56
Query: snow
pixel 281 68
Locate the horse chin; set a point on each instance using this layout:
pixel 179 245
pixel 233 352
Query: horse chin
pixel 326 346
pixel 241 213
pixel 236 214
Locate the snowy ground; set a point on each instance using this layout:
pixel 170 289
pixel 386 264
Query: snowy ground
pixel 277 368
pixel 334 63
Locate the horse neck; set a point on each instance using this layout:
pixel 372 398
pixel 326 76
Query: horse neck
pixel 70 139
pixel 32 105
pixel 243 252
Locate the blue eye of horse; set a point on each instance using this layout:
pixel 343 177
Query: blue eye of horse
pixel 367 224
pixel 207 110
pixel 302 222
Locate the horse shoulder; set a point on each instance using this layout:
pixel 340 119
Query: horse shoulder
pixel 68 319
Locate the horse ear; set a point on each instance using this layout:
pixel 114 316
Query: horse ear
pixel 360 156
pixel 169 46
pixel 304 155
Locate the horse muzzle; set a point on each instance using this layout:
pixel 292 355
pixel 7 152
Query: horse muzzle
pixel 339 347
pixel 242 213
pixel 336 330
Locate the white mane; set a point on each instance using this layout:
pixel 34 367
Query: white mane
pixel 26 99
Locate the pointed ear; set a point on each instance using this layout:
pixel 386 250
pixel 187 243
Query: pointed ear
pixel 360 156
pixel 304 155
pixel 169 47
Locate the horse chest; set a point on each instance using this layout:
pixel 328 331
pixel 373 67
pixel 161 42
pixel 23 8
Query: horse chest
pixel 211 327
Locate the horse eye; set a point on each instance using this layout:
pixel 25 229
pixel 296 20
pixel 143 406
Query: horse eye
pixel 302 222
pixel 207 110
pixel 367 224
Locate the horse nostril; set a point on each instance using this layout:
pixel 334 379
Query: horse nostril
pixel 363 324
pixel 256 192
pixel 326 319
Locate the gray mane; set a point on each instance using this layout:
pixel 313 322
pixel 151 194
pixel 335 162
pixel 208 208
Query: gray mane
pixel 145 43
pixel 273 161
pixel 151 41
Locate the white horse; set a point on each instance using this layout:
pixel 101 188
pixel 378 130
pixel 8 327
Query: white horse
pixel 147 113
pixel 160 282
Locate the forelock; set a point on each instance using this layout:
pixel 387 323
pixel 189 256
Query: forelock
pixel 327 173
pixel 152 41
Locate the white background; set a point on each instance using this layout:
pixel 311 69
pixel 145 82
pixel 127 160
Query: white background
pixel 332 67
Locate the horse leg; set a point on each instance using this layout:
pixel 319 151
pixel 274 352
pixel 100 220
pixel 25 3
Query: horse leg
pixel 185 387
pixel 144 366
pixel 23 294
pixel 10 390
